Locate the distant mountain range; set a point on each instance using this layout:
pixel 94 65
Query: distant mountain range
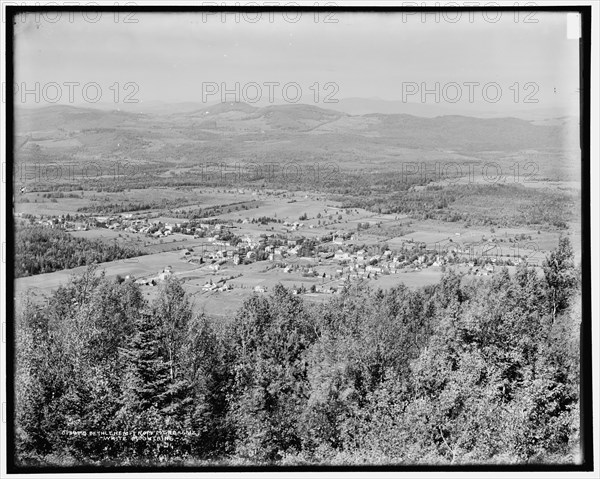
pixel 233 131
pixel 362 106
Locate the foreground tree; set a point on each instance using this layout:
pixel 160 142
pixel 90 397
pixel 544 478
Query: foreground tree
pixel 269 388
pixel 560 275
pixel 465 371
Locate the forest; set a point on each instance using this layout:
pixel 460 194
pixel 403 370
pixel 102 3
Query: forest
pixel 465 371
pixel 475 205
pixel 41 249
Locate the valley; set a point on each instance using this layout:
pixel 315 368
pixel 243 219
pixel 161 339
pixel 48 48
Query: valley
pixel 382 199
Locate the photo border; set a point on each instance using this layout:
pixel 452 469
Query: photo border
pixel 586 400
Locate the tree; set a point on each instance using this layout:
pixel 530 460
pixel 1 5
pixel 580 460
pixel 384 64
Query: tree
pixel 146 390
pixel 173 313
pixel 560 275
pixel 269 389
pixel 466 370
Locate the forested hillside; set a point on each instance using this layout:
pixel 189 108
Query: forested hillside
pixel 44 250
pixel 465 371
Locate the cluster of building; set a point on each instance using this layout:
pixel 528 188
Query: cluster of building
pixel 62 222
pixel 166 273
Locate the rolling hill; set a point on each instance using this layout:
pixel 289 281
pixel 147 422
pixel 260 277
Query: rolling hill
pixel 231 132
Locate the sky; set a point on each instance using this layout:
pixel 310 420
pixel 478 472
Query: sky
pixel 503 64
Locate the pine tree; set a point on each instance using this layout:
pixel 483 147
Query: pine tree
pixel 148 374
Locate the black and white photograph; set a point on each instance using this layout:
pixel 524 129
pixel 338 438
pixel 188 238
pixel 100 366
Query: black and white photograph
pixel 299 237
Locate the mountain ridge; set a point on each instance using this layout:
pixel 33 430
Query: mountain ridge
pixel 298 127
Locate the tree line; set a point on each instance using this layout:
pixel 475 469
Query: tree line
pixel 40 249
pixel 503 205
pixel 464 371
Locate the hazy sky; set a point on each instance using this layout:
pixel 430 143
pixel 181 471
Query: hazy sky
pixel 170 56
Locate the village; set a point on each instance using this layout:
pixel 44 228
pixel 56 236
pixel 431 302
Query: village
pixel 312 247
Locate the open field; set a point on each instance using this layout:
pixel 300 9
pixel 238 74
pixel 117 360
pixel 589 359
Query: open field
pixel 146 243
pixel 194 277
pixel 185 198
pixel 323 218
pixel 167 168
pixel 138 267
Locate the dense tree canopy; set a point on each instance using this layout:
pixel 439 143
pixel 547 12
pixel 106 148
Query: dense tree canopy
pixel 466 371
pixel 44 250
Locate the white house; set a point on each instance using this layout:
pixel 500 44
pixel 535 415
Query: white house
pixel 341 255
